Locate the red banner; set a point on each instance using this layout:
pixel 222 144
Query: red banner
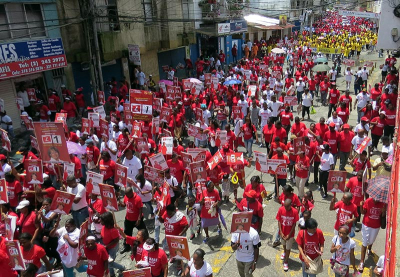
pixel 178 247
pixel 121 175
pixel 337 181
pixel 141 104
pixel 51 140
pixel 62 202
pixel 198 172
pixel 165 115
pixel 3 192
pixel 107 193
pixel 34 171
pixel 241 222
pixel 14 252
pixel 215 160
pixel 153 174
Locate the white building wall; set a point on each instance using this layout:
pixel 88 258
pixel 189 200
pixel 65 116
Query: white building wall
pixel 387 22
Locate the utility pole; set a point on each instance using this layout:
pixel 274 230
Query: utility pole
pixel 96 46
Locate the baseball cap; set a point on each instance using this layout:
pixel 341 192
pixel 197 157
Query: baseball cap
pixel 332 124
pixel 67 98
pixel 23 204
pixel 382 112
pixel 385 150
pixel 2 157
pixel 180 103
pixel 364 119
pixel 147 246
pixel 251 194
pixel 292 137
pixel 88 141
pixel 63 86
pixel 346 126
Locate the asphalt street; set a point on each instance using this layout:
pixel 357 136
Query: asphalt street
pixel 218 250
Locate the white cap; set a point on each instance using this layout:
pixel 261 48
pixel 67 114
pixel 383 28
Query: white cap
pixel 148 247
pixel 23 204
pixel 265 92
pixel 382 112
pixel 385 150
pixel 300 79
pixel 45 176
pixel 90 238
pixel 63 86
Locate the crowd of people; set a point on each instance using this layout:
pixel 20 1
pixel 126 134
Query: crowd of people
pixel 248 103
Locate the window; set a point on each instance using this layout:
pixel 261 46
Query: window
pixel 112 13
pixel 148 10
pixel 185 9
pixel 21 21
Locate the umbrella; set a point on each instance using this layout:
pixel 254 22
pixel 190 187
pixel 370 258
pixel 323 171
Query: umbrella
pixel 378 188
pixel 222 218
pixel 166 82
pixel 195 81
pixel 232 82
pixel 321 60
pixel 75 148
pixel 321 68
pixel 278 51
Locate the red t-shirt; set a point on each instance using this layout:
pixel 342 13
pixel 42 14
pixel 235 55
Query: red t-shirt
pixel 287 219
pixel 345 141
pixel 28 223
pixel 332 138
pixel 286 117
pixel 176 169
pixel 133 206
pixel 248 131
pixel 304 163
pixel 334 94
pixel 43 112
pixel 174 226
pixel 70 108
pixel 239 168
pixel 281 133
pixel 344 213
pixel 139 249
pixel 209 199
pixel 156 259
pixel 80 100
pixel 295 199
pixel 343 114
pixel 346 99
pixel 5 260
pixel 96 259
pixel 390 117
pixel 373 212
pixel 268 132
pixel 310 243
pixel 311 85
pixel 107 169
pixel 78 166
pixel 359 165
pixel 375 93
pixel 34 255
pixel 355 187
pixel 122 142
pixel 109 235
pixel 281 174
pixel 92 154
pixel 321 128
pixel 53 101
pixel 258 190
pixel 13 189
pixel 256 208
pixel 298 129
pixel 378 128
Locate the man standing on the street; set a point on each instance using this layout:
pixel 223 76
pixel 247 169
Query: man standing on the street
pixel 362 99
pixel 234 53
pixel 247 250
pixel 140 77
pixel 79 210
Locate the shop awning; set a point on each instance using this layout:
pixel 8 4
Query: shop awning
pixel 209 31
pixel 265 23
pixel 275 27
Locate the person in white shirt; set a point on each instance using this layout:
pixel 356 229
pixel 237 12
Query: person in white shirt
pixel 386 145
pixel 378 270
pixel 336 120
pixel 170 74
pixel 141 78
pixel 244 105
pixel 22 93
pixel 109 146
pixel 357 140
pixel 362 99
pixel 206 114
pixel 263 115
pixel 197 266
pixel 364 75
pixel 116 132
pixel 327 163
pixel 306 103
pixel 271 81
pixel 264 98
pixel 132 163
pixel 145 192
pixel 79 208
pixel 300 85
pixel 278 86
pixel 348 76
pixel 275 107
pixel 333 74
pixel 246 246
pixel 5 167
pixel 6 124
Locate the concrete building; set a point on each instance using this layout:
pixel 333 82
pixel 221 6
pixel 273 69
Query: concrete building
pixel 31 54
pixel 389 33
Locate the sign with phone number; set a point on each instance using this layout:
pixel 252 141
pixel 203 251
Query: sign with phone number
pixel 27 57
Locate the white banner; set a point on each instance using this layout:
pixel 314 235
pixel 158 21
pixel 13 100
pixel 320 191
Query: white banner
pixel 359 14
pixel 224 28
pixel 134 54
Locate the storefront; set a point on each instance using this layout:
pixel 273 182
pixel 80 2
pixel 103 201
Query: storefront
pixel 35 64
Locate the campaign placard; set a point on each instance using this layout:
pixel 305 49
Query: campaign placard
pixel 141 104
pixel 252 89
pixel 198 172
pixel 69 169
pixel 34 143
pixel 92 182
pixel 214 82
pixel 95 118
pixel 170 95
pixel 178 247
pixel 215 160
pixel 52 143
pixel 197 154
pixel 121 175
pixel 299 145
pixel 108 197
pixel 142 145
pixel 261 161
pixel 241 222
pixel 136 129
pixel 5 141
pixel 167 144
pixel 363 145
pixel 158 161
pixel 337 181
pixel 82 236
pixel 14 252
pixel 103 128
pixel 86 125
pixel 186 84
pixel 235 158
pixel 20 103
pixel 31 94
pixel 220 137
pixel 207 79
pixel 3 192
pixel 165 115
pixel 199 114
pixel 237 113
pixel 62 202
pixel 34 171
pixel 290 101
pixel 101 97
pixel 141 272
pixel 100 110
pixel 153 174
pixel 196 132
pixel 276 166
pixel 155 126
pixel 27 122
pixel 187 159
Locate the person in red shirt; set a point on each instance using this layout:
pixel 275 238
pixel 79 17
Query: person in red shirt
pixel 332 138
pixel 107 168
pixel 312 85
pixel 345 138
pixel 377 126
pixel 281 173
pixel 390 112
pixel 5 260
pixel 346 211
pixel 174 221
pixel 14 190
pixel 298 128
pixel 176 167
pixel 362 162
pixel 323 86
pixel 123 90
pixel 249 130
pixel 333 99
pixel 44 112
pixel 346 98
pixel 373 211
pixel 268 131
pixel 250 204
pixel 375 92
pixel 302 166
pixel 155 258
pixel 280 132
pixel 92 154
pixel 321 127
pixel 287 217
pixel 286 118
pixel 210 200
pixel 354 185
pixel 343 112
pixel 80 101
pixel 32 253
pixel 134 214
pixel 70 108
pixel 96 256
pixel 314 239
pixel 27 218
pixel 54 104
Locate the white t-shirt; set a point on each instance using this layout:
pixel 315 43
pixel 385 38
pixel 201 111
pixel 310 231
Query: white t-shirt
pixel 389 148
pixel 115 135
pixel 111 144
pixel 356 141
pixel 245 252
pixel 300 86
pixel 79 191
pixel 333 74
pixel 362 100
pixel 205 270
pixel 25 98
pixel 307 98
pixel 146 197
pixel 206 116
pixel 5 168
pixel 172 182
pixel 244 106
pixel 326 161
pixel 359 126
pixel 264 114
pixel 343 254
pixel 83 161
pixel 133 166
pixel 381 262
pixel 68 255
pixel 338 122
pixel 275 107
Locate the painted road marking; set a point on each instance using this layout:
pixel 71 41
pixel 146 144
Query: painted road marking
pixel 221 258
pixel 295 256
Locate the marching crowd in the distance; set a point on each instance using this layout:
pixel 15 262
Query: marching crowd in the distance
pixel 265 118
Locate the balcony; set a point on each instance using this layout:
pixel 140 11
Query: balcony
pixel 221 10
